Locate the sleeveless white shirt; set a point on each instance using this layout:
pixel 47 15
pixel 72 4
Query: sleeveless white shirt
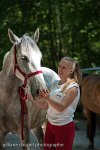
pixel 61 118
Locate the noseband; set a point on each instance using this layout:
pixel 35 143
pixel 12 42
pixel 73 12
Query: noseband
pixel 22 90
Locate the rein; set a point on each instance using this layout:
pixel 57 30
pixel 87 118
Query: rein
pixel 23 94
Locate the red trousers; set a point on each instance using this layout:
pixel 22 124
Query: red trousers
pixel 59 137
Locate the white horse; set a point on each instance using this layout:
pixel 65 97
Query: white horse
pixel 21 73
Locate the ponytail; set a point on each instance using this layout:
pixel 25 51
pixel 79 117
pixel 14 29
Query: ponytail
pixel 77 73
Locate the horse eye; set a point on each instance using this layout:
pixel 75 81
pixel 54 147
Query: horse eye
pixel 25 58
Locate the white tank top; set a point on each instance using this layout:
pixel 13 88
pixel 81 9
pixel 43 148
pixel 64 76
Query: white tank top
pixel 61 118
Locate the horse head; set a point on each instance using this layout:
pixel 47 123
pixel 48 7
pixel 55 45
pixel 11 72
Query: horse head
pixel 26 60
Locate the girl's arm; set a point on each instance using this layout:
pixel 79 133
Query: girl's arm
pixel 38 101
pixel 67 100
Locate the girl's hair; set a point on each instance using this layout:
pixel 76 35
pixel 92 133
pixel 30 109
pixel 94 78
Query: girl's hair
pixel 76 72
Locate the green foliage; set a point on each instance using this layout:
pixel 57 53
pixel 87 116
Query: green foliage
pixel 66 28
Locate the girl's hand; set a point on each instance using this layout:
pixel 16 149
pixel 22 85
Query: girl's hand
pixel 38 98
pixel 44 94
pixel 38 101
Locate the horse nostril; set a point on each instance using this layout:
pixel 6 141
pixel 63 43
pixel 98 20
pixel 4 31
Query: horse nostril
pixel 37 91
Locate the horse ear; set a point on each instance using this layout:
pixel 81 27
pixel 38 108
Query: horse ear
pixel 13 38
pixel 36 35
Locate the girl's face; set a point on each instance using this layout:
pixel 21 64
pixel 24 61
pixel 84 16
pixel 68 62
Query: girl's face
pixel 64 69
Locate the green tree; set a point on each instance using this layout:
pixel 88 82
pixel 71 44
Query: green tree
pixel 66 28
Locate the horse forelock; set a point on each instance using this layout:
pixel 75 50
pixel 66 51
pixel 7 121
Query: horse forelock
pixel 27 41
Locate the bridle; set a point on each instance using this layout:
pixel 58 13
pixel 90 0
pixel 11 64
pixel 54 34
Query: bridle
pixel 23 94
pixel 16 67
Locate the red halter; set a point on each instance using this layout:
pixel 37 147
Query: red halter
pixel 21 90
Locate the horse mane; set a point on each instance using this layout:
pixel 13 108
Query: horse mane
pixel 5 57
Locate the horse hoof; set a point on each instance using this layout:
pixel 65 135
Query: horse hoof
pixel 91 146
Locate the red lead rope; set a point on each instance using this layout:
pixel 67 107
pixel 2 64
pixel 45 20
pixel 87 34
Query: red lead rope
pixel 24 110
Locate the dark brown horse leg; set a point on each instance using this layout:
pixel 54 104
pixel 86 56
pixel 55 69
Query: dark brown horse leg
pixel 91 129
pixel 2 141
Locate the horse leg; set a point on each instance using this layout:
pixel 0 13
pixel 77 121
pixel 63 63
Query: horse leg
pixel 2 140
pixel 91 127
pixel 39 135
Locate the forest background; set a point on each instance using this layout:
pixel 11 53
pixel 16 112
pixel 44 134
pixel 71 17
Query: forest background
pixel 67 28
